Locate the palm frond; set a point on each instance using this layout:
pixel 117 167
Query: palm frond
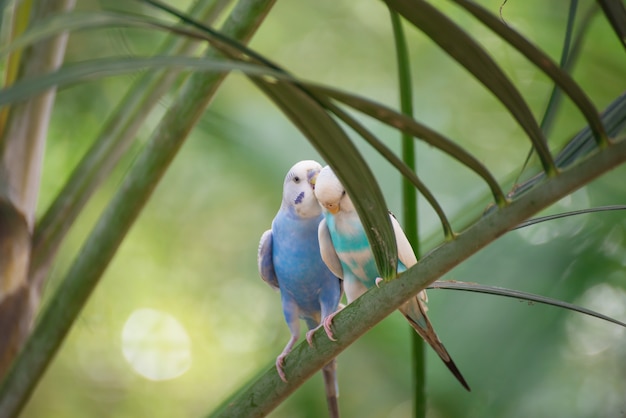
pixel 541 219
pixel 70 297
pixel 615 12
pixel 460 46
pixel 112 143
pixel 561 78
pixel 518 294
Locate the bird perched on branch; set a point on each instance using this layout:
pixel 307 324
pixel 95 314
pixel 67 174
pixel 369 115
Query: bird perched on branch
pixel 346 251
pixel 289 260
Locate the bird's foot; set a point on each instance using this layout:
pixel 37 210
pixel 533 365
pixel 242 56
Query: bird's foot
pixel 279 366
pixel 378 281
pixel 309 335
pixel 328 322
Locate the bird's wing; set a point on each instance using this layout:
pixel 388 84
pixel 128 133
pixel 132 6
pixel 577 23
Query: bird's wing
pixel 405 251
pixel 265 260
pixel 327 250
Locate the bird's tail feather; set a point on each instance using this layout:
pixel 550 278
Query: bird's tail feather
pixel 332 388
pixel 415 312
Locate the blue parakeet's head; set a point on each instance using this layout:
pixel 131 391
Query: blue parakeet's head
pixel 298 189
pixel 330 192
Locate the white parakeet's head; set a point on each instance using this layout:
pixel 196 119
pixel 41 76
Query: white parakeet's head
pixel 330 192
pixel 298 189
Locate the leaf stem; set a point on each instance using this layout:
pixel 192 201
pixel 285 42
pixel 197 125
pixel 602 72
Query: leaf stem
pixel 409 204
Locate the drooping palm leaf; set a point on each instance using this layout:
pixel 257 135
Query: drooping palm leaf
pixel 308 113
pixel 108 67
pixel 114 139
pixel 460 46
pixel 374 234
pixel 565 64
pixel 90 70
pixel 399 164
pixel 544 63
pixel 541 219
pixel 518 294
pixel 568 56
pixel 409 125
pixel 613 118
pixel 86 20
pixel 615 12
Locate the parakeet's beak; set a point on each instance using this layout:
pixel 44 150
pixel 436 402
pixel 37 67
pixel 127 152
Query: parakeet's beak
pixel 312 177
pixel 332 208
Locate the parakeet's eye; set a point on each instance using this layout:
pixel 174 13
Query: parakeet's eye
pixel 296 179
pixel 343 193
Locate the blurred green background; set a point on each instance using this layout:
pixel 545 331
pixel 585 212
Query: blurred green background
pixel 181 318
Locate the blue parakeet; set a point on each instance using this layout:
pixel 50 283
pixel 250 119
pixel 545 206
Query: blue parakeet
pixel 346 251
pixel 289 259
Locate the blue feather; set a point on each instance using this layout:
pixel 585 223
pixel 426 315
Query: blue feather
pixel 289 259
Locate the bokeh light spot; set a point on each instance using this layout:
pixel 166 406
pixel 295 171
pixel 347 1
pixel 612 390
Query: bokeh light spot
pixel 156 345
pixel 590 335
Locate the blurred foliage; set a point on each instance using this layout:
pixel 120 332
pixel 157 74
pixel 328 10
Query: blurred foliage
pixel 192 254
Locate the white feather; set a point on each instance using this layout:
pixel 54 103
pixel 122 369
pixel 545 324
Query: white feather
pixel 327 250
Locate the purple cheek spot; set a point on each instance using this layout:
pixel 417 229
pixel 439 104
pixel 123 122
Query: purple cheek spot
pixel 299 198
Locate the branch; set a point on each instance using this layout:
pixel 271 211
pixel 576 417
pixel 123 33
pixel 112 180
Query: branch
pixel 268 391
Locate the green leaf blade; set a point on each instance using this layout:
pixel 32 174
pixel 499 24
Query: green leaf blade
pixel 460 46
pixel 615 12
pixel 518 294
pixel 411 126
pixel 544 63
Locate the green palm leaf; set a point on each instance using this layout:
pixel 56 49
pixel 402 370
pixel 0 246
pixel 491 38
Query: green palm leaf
pixel 460 46
pixel 518 294
pixel 544 63
pixel 615 12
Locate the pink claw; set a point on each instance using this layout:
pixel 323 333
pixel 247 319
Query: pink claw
pixel 378 280
pixel 279 367
pixel 328 322
pixel 309 335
